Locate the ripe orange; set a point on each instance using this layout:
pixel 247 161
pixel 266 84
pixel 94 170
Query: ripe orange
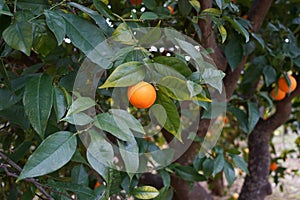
pixel 171 9
pixel 277 94
pixel 273 166
pixel 283 85
pixel 226 120
pixel 141 95
pixel 97 184
pixel 245 16
pixel 136 2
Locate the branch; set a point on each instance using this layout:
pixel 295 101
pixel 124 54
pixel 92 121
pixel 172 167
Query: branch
pixel 19 169
pixel 208 39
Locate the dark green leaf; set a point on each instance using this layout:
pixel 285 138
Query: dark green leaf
pixel 80 104
pixel 234 53
pixel 253 116
pixel 269 75
pixel 149 16
pixel 56 24
pixel 208 167
pixel 241 117
pixel 189 173
pixel 152 35
pixel 8 98
pixel 238 27
pixel 79 175
pixel 229 173
pixel 219 164
pixel 59 103
pixel 36 6
pixel 100 154
pixel 150 4
pixel 184 7
pixel 37 100
pixel 53 153
pixel 103 9
pixel 125 75
pixel 16 115
pixel 145 192
pixel 4 9
pixel 5 76
pixel 240 163
pixel 19 36
pixel 174 63
pixel 196 5
pixel 80 119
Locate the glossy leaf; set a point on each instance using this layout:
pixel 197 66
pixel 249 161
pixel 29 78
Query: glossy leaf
pixel 100 154
pixel 208 167
pixel 172 124
pixel 214 78
pixel 103 9
pixel 59 103
pixel 234 53
pixel 100 20
pixel 223 32
pixel 4 9
pixel 174 63
pixel 125 75
pixel 196 5
pixel 79 175
pixel 269 75
pixel 130 155
pixel 238 27
pixel 19 36
pixel 149 16
pixel 188 173
pixel 79 119
pixel 253 116
pixel 37 100
pixel 219 164
pixel 56 24
pixel 145 192
pixel 35 7
pixel 229 173
pixel 53 153
pixel 151 36
pixel 80 104
pixel 240 163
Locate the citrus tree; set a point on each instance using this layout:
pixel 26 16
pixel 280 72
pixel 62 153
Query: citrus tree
pixel 126 99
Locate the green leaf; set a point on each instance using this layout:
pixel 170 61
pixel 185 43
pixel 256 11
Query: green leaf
pixel 19 36
pixel 56 24
pixel 80 119
pixel 100 154
pixel 123 34
pixel 240 163
pixel 212 12
pixel 116 125
pixel 89 39
pixel 253 116
pixel 238 27
pixel 79 175
pixel 149 16
pixel 196 5
pixel 53 153
pixel 103 9
pixel 152 35
pixel 80 104
pixel 259 39
pixel 8 98
pixel 184 7
pixel 223 32
pixel 229 173
pixel 150 4
pixel 188 173
pixel 269 75
pixel 100 20
pixel 125 75
pixel 213 77
pixel 35 7
pixel 219 164
pixel 37 100
pixel 208 167
pixel 234 53
pixel 145 192
pixel 193 53
pixel 59 103
pixel 174 63
pixel 43 44
pixel 130 155
pixel 4 9
pixel 241 116
pixel 16 116
pixel 172 124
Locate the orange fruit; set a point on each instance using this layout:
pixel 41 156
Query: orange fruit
pixel 141 95
pixel 171 9
pixel 97 184
pixel 136 2
pixel 245 16
pixel 273 166
pixel 283 85
pixel 277 94
pixel 226 120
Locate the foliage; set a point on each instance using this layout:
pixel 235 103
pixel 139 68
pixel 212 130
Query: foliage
pixel 65 137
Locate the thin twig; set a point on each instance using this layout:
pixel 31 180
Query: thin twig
pixel 19 169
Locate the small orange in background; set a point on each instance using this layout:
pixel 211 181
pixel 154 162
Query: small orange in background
pixel 226 120
pixel 141 95
pixel 283 85
pixel 277 94
pixel 273 166
pixel 136 2
pixel 171 9
pixel 97 184
pixel 245 16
